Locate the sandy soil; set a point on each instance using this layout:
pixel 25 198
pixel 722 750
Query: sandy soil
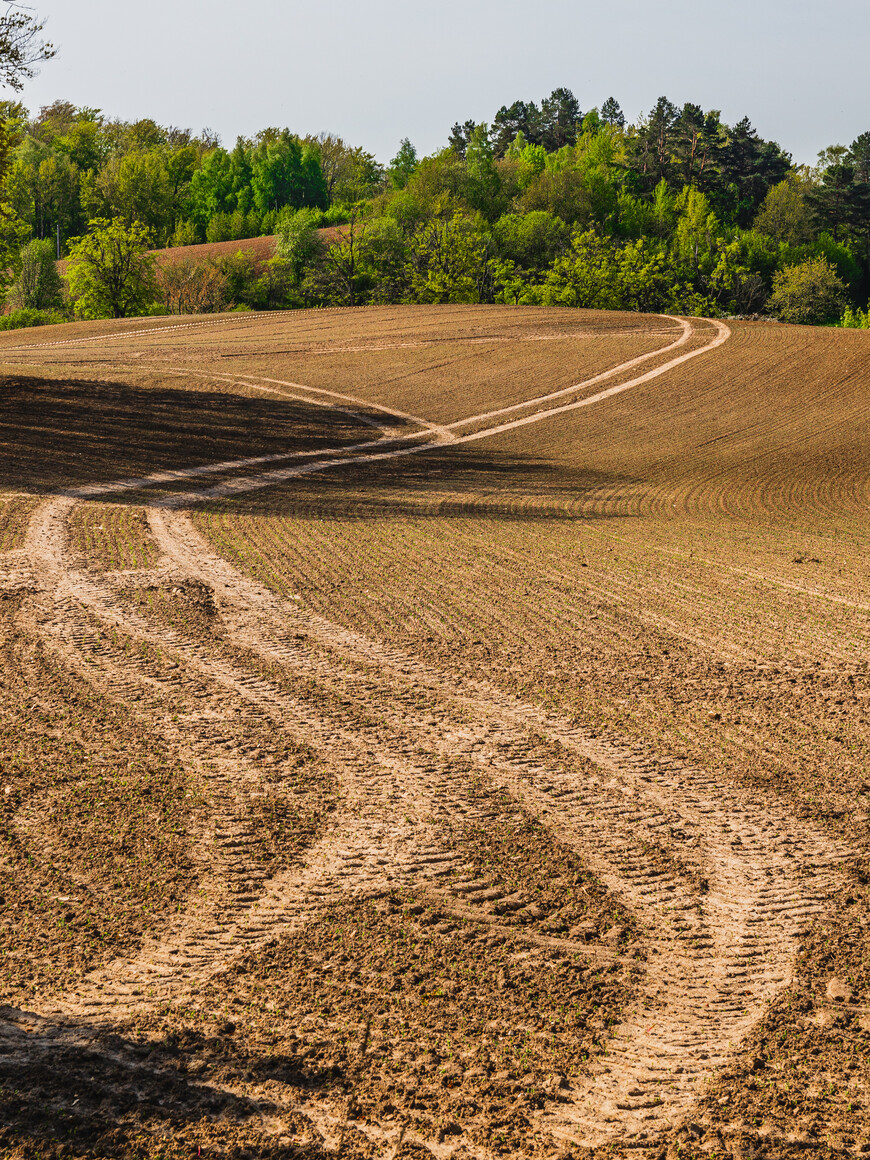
pixel 435 732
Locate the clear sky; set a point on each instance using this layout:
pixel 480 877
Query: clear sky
pixel 374 71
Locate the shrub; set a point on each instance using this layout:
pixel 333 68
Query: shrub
pixel 856 319
pixel 189 286
pixel 19 319
pixel 809 293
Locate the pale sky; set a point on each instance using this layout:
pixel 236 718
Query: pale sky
pixel 374 71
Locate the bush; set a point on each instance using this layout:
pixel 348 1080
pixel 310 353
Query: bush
pixel 856 319
pixel 189 286
pixel 19 319
pixel 809 293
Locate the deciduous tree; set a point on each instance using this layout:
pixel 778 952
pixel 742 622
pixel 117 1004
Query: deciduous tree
pixel 38 286
pixel 110 273
pixel 809 293
pixel 21 45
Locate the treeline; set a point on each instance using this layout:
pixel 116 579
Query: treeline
pixel 70 166
pixel 547 204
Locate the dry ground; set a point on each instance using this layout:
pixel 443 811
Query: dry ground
pixel 434 732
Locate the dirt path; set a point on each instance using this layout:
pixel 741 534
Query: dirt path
pixel 720 884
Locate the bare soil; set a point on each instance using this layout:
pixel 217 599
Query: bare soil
pixel 381 777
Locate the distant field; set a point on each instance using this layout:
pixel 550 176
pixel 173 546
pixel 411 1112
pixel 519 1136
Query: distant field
pixel 435 731
pixel 262 248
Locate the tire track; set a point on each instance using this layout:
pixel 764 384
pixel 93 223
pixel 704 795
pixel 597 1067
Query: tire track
pixel 722 920
pixel 382 837
pixel 717 955
pixel 281 475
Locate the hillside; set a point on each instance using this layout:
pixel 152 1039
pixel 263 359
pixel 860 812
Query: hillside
pixel 436 730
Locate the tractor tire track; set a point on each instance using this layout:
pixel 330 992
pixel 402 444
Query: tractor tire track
pixel 381 838
pixel 717 953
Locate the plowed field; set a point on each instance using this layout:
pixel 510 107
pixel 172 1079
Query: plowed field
pixel 435 732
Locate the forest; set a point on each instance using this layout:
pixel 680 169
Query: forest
pixel 547 203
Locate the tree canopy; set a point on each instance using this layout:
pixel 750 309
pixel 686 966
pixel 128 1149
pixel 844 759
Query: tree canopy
pixel 551 200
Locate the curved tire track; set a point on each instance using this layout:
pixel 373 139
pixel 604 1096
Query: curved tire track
pixel 716 956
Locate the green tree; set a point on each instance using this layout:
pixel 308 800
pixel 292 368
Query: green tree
pixel 559 191
pixel 587 276
pixel 484 185
pixel 560 119
pixel 838 201
pixel 350 173
pixel 612 114
pixel 510 122
pixel 450 261
pixel 38 286
pixel 747 167
pixel 298 242
pixel 785 214
pixel 403 165
pixel 287 172
pixel 110 273
pixel 136 187
pixel 211 187
pixel 531 241
pixel 809 293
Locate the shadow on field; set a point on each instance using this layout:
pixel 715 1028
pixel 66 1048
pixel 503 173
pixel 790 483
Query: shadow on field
pixel 465 481
pixel 115 1096
pixel 57 434
pixel 60 433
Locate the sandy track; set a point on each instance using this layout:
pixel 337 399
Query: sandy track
pixel 721 927
pixel 443 433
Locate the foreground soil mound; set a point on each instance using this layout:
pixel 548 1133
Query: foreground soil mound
pixel 434 732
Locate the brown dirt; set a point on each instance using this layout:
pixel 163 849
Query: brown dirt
pixel 112 537
pixel 94 819
pixel 529 808
pixel 15 514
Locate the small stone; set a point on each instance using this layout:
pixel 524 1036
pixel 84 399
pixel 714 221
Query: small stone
pixel 838 991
